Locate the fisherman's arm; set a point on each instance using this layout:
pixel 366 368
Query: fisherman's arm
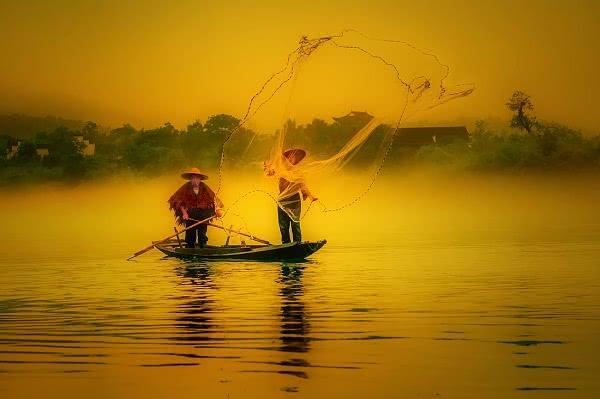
pixel 268 168
pixel 219 207
pixel 217 203
pixel 306 193
pixel 184 214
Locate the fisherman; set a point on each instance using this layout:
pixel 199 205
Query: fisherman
pixel 192 202
pixel 291 194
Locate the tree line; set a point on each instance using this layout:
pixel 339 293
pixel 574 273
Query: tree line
pixel 153 151
pixel 526 143
pixel 530 144
pixel 144 151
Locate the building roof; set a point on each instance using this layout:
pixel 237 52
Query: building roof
pixel 354 116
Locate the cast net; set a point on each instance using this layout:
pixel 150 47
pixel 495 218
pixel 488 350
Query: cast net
pixel 334 109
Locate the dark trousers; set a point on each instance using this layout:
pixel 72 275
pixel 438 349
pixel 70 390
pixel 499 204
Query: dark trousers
pixel 285 222
pixel 198 231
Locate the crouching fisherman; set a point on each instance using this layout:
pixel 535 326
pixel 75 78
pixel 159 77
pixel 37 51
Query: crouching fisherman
pixel 292 190
pixel 192 202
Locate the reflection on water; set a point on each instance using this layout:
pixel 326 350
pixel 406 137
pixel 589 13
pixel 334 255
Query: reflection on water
pixel 432 305
pixel 196 307
pixel 422 320
pixel 294 318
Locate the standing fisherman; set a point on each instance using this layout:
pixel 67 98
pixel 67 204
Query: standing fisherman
pixel 291 194
pixel 192 202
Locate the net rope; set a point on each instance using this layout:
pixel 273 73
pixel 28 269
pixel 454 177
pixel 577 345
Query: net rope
pixel 419 93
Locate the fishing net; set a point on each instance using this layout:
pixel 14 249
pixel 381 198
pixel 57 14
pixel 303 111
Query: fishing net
pixel 330 114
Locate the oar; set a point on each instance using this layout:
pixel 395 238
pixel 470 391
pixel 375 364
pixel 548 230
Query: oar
pixel 143 251
pixel 229 230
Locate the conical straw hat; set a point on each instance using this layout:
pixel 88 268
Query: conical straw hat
pixel 193 172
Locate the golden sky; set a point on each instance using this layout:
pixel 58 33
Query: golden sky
pixel 148 62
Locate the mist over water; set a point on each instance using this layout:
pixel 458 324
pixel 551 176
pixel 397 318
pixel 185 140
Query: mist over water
pixel 431 285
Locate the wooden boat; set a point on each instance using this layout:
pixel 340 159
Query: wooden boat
pixel 294 251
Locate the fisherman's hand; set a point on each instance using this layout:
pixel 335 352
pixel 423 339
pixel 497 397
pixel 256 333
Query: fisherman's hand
pixel 219 212
pixel 185 216
pixel 268 168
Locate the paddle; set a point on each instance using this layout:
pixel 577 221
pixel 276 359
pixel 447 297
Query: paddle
pixel 143 251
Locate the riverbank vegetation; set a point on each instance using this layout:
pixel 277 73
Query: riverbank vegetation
pixel 61 155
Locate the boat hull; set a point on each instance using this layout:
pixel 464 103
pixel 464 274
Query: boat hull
pixel 285 252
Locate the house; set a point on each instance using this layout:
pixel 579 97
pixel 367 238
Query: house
pixel 13 149
pixel 42 151
pixel 356 119
pixel 412 137
pixel 88 148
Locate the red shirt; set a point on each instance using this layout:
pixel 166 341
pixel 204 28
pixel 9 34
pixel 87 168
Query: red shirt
pixel 185 197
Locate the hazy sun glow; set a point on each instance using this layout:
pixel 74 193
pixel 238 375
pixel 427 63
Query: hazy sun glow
pixel 118 62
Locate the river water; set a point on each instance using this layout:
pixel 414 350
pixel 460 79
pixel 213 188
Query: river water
pixel 459 289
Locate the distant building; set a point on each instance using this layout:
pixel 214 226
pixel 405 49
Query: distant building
pixel 42 151
pixel 354 118
pixel 420 136
pixel 409 136
pixel 89 149
pixel 13 149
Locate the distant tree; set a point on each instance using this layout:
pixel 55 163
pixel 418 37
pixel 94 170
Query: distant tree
pixel 114 144
pixel 4 142
pixel 41 138
pixel 62 143
pixel 27 152
pixel 520 103
pixel 221 124
pixel 141 156
pixel 217 129
pixel 480 127
pixel 164 136
pixel 194 142
pixel 64 150
pixel 317 133
pixel 195 128
pixel 125 130
pixel 90 131
pixel 167 129
pixel 237 147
